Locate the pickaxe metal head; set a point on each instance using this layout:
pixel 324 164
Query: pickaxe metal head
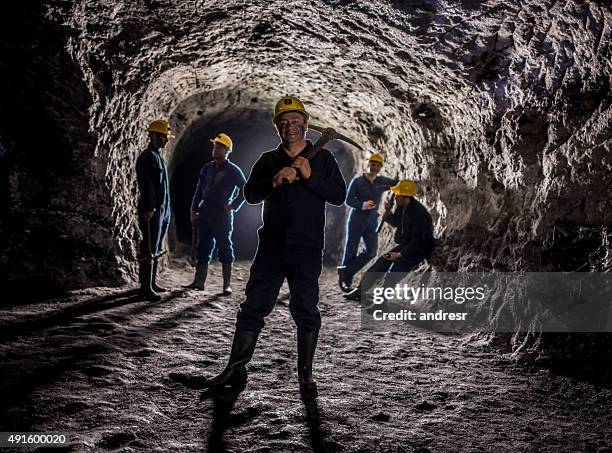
pixel 152 256
pixel 331 134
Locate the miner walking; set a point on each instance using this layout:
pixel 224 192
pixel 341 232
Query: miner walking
pixel 413 236
pixel 294 191
pixel 363 197
pixel 218 194
pixel 153 207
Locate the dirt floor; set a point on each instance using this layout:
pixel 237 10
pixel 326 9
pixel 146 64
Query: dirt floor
pixel 120 374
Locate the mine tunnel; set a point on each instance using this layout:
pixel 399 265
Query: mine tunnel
pixel 499 111
pixel 252 133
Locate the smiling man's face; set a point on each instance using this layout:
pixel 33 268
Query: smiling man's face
pixel 374 167
pixel 292 127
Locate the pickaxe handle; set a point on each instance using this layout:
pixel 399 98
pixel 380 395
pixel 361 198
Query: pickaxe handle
pixel 318 146
pixel 151 257
pixel 194 238
pixel 312 152
pixel 381 222
pixel 150 248
pixel 327 134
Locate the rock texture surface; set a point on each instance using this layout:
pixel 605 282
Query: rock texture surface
pixel 500 109
pixel 123 375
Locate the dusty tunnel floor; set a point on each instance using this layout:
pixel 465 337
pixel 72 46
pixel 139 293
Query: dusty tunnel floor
pixel 122 375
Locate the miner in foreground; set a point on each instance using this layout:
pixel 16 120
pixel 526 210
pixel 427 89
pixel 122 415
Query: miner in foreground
pixel 153 207
pixel 294 191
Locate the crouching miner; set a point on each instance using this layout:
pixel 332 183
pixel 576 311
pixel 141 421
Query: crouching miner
pixel 153 207
pixel 413 235
pixel 294 191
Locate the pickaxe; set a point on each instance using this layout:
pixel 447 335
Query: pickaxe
pixel 194 240
pixel 327 134
pixel 381 222
pixel 150 255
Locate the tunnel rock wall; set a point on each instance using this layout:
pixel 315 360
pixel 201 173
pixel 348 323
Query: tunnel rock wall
pixel 530 149
pixel 54 221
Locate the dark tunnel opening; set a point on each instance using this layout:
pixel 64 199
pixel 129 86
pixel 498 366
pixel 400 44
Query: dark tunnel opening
pixel 252 133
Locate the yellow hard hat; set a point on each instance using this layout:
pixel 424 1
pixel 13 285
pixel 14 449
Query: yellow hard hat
pixel 377 158
pixel 224 140
pixel 161 126
pixel 289 104
pixel 405 188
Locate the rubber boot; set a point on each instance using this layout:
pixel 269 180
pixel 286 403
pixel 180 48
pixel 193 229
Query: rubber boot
pixel 145 274
pixel 154 285
pixel 353 294
pixel 307 344
pixel 235 375
pixel 227 277
pixel 200 277
pixel 343 283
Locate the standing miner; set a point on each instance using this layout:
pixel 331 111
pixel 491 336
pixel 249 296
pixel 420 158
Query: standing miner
pixel 363 197
pixel 153 207
pixel 217 195
pixel 413 235
pixel 294 191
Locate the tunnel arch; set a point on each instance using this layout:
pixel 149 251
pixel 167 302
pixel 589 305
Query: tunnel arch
pixel 252 131
pixel 220 105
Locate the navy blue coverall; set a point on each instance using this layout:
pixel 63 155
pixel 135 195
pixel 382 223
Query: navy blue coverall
pixel 217 187
pixel 291 238
pixel 414 238
pixel 362 223
pixel 152 177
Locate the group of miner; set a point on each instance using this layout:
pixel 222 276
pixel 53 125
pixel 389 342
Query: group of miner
pixel 294 184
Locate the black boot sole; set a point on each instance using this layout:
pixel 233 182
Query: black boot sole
pixel 222 392
pixel 355 297
pixel 222 389
pixel 197 288
pixel 151 297
pixel 238 379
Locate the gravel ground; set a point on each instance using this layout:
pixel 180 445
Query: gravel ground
pixel 120 374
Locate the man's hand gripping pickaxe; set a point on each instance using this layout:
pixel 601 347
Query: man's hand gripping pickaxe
pixel 327 134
